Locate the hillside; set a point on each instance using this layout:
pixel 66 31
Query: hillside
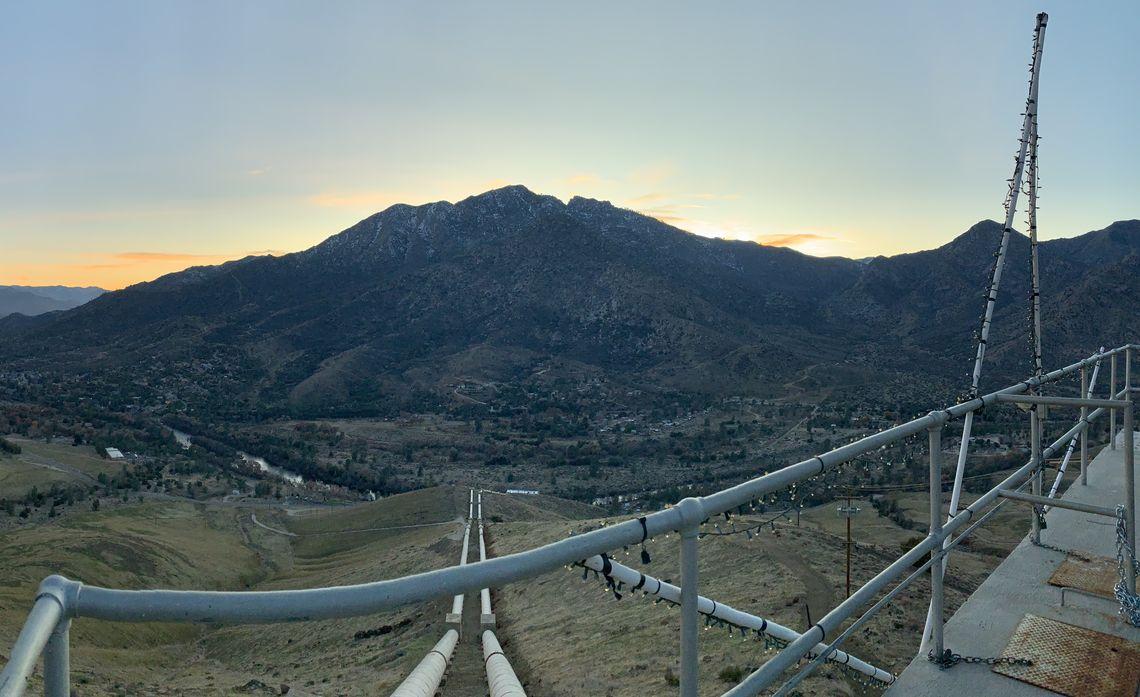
pixel 396 310
pixel 563 634
pixel 37 300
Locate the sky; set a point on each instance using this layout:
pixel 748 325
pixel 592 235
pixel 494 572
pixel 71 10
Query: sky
pixel 139 138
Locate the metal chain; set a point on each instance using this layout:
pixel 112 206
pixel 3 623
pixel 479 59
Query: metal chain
pixel 1129 601
pixel 1054 548
pixel 949 659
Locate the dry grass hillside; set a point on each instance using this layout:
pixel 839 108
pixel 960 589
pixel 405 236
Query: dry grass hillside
pixel 565 636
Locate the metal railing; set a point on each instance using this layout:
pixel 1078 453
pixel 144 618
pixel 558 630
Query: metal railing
pixel 61 600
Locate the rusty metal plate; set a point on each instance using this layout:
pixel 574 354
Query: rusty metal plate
pixel 1072 660
pixel 1096 576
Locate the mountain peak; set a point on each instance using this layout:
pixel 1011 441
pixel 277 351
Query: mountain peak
pixel 509 197
pixel 982 236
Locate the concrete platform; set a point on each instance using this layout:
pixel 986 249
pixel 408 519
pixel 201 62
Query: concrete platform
pixel 1019 586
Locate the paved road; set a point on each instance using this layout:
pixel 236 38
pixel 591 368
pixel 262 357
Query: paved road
pixel 56 466
pixel 258 523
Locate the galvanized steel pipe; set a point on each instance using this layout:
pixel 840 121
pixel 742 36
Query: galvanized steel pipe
pixel 711 608
pixel 46 614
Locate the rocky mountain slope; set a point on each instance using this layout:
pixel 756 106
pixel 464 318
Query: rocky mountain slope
pixel 506 283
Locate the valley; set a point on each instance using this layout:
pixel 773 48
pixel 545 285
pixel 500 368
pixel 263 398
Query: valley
pixel 212 544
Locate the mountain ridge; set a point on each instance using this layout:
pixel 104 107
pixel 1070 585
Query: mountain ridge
pixel 37 300
pixel 407 300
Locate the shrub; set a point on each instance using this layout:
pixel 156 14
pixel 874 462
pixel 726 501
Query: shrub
pixel 731 674
pixel 9 447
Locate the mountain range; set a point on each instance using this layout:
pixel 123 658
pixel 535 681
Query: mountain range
pixel 509 282
pixel 36 300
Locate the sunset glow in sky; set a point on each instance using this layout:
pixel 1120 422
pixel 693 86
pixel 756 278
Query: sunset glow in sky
pixel 140 138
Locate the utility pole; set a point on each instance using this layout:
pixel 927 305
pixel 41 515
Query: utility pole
pixel 848 512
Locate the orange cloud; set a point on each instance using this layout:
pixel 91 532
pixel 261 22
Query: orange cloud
pixel 792 239
pixel 814 243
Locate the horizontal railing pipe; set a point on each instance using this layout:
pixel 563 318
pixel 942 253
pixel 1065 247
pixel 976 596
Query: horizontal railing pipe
pixel 1058 503
pixel 242 607
pixel 1048 400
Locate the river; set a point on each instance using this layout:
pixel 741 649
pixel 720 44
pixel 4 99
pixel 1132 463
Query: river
pixel 291 477
pixel 183 439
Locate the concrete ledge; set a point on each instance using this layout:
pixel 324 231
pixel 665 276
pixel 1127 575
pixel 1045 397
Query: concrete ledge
pixel 487 621
pixel 983 625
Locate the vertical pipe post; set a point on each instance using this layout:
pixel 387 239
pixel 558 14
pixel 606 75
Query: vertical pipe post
pixel 1035 457
pixel 1128 373
pixel 1129 472
pixel 1085 429
pixel 689 616
pixel 57 661
pixel 1112 395
pixel 1130 496
pixel 935 433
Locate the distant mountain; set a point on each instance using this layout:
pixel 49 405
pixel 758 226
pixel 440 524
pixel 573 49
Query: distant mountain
pixel 36 300
pixel 503 284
